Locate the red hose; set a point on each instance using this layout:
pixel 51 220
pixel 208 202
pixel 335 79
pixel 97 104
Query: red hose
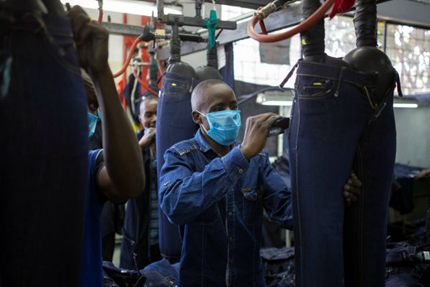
pixel 100 16
pixel 143 83
pixel 263 27
pixel 127 61
pixel 309 22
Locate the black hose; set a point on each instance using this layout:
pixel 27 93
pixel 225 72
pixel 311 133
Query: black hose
pixel 313 38
pixel 175 46
pixel 152 71
pixel 212 57
pixel 365 23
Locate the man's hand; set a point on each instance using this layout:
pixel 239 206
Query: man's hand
pixel 422 174
pixel 147 137
pixel 351 190
pixel 91 40
pixel 256 134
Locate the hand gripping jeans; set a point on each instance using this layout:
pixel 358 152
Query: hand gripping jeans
pixel 337 125
pixel 43 151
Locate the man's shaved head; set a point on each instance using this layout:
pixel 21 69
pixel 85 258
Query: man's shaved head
pixel 199 97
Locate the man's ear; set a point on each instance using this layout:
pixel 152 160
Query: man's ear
pixel 196 117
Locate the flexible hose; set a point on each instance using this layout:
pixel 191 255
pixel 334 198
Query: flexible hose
pixel 127 61
pixel 152 71
pixel 160 68
pixel 136 76
pixel 175 46
pixel 99 20
pixel 212 57
pixel 365 23
pixel 309 22
pixel 312 39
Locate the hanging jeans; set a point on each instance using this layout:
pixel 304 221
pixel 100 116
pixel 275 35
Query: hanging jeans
pixel 43 151
pixel 174 124
pixel 337 125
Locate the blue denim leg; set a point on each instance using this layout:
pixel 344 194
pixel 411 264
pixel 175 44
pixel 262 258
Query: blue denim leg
pixel 43 153
pixel 174 124
pixel 332 129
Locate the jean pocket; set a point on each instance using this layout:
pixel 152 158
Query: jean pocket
pixel 252 205
pixel 315 87
pixel 209 217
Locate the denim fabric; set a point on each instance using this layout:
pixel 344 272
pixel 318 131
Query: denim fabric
pixel 227 71
pixel 174 124
pixel 403 188
pixel 136 225
pixel 160 273
pixel 122 277
pixel 91 259
pixel 401 277
pixel 336 125
pixel 220 200
pixel 43 151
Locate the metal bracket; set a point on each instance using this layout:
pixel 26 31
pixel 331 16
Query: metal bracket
pixel 197 21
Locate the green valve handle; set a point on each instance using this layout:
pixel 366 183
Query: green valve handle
pixel 211 24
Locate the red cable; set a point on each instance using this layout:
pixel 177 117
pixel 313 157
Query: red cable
pixel 143 83
pixel 127 61
pixel 309 22
pixel 100 16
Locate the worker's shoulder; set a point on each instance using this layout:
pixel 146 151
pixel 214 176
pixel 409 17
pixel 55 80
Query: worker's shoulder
pixel 185 147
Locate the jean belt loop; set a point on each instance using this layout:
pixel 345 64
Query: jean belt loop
pixel 378 113
pixel 281 85
pixel 342 72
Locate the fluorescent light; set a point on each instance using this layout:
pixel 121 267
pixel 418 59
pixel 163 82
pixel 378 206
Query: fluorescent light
pixel 403 105
pixel 127 7
pixel 277 103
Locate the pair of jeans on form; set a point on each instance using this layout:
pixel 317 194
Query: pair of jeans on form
pixel 337 125
pixel 43 151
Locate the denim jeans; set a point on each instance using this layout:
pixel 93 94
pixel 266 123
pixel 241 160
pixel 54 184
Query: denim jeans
pixel 174 124
pixel 43 151
pixel 161 273
pixel 337 125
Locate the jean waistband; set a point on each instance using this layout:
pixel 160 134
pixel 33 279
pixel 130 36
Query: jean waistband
pixel 53 25
pixel 179 77
pixel 337 73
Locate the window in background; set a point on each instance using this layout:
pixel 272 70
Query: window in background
pixel 409 50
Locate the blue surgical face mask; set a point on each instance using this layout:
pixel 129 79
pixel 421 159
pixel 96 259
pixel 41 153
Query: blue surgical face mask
pixel 92 122
pixel 224 126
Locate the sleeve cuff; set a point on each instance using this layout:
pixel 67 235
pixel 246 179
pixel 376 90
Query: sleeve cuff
pixel 235 163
